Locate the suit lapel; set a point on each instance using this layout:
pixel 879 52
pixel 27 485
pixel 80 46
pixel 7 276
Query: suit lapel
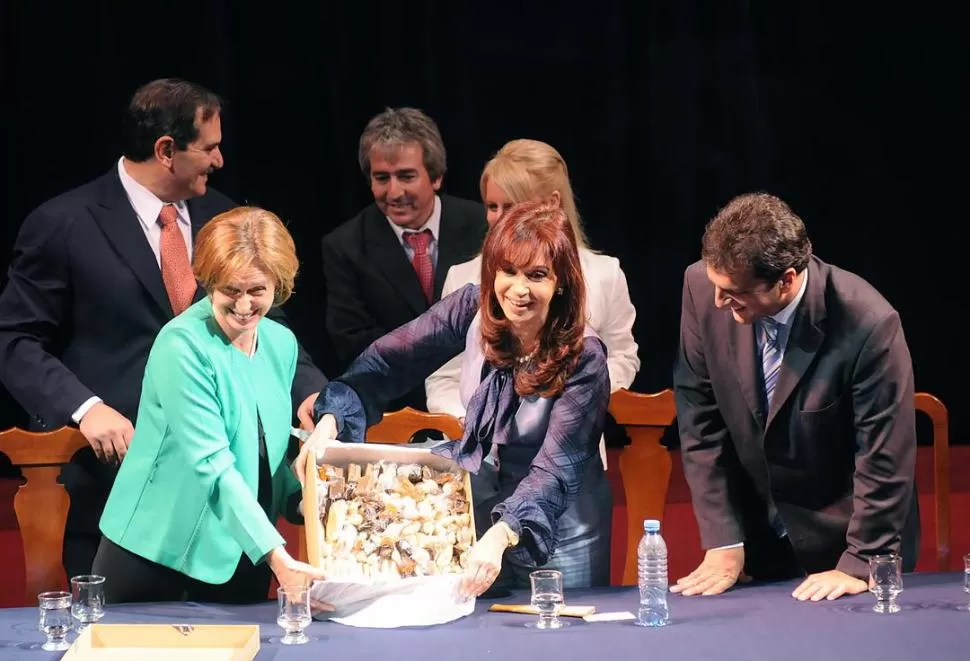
pixel 120 225
pixel 449 235
pixel 390 259
pixel 199 215
pixel 742 346
pixel 804 342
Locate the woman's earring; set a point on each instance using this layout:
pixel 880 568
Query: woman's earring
pixel 559 291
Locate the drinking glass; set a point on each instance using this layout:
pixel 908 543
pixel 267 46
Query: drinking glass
pixel 55 619
pixel 966 582
pixel 886 581
pixel 547 597
pixel 294 614
pixel 87 599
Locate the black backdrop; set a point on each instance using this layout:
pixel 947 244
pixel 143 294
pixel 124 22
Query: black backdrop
pixel 663 110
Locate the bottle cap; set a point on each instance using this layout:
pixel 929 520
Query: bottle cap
pixel 651 525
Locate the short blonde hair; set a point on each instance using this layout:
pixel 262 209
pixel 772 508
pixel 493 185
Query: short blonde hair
pixel 528 170
pixel 241 238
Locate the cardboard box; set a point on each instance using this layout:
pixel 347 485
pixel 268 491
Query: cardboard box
pixel 147 642
pixel 415 601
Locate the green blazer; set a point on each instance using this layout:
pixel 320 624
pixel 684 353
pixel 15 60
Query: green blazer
pixel 185 495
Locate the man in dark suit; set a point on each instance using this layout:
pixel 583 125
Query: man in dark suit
pixel 96 273
pixel 795 404
pixel 387 264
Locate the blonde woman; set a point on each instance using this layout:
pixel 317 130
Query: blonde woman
pixel 527 170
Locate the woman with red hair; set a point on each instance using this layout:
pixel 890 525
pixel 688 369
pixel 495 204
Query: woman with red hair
pixel 535 386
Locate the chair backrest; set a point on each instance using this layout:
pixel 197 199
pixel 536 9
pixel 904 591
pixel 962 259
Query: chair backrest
pixel 645 465
pixel 938 415
pixel 400 426
pixel 41 503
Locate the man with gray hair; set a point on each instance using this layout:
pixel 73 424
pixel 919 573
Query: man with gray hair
pixel 387 264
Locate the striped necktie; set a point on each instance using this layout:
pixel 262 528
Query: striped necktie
pixel 770 357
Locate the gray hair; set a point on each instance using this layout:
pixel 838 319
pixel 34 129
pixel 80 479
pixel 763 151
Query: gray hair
pixel 396 127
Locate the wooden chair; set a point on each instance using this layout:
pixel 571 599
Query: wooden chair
pixel 644 469
pixel 41 503
pixel 934 408
pixel 400 426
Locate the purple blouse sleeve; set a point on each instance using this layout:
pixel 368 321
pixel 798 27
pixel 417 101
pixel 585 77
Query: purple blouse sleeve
pixel 571 442
pixel 396 363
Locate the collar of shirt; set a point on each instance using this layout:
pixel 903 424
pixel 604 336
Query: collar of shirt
pixel 433 224
pixel 784 316
pixel 146 204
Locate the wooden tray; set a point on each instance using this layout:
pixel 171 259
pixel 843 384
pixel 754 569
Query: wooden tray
pixel 148 642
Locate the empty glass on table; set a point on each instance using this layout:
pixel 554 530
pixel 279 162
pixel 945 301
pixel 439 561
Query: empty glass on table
pixel 294 613
pixel 886 581
pixel 966 582
pixel 87 599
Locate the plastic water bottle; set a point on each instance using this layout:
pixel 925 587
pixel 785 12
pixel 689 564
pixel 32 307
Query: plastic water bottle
pixel 652 574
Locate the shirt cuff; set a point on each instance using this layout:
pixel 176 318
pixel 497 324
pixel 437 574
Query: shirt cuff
pixel 84 408
pixel 729 546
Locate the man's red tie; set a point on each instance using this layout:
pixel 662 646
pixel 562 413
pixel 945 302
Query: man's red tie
pixel 177 273
pixel 419 242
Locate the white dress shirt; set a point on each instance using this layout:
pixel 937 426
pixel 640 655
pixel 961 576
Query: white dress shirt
pixel 147 207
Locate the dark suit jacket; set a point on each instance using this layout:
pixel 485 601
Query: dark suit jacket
pixel 372 287
pixel 833 461
pixel 84 301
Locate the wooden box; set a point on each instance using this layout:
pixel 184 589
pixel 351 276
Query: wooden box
pixel 383 602
pixel 343 455
pixel 148 642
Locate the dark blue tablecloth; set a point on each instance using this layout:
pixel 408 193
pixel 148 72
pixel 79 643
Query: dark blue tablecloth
pixel 755 622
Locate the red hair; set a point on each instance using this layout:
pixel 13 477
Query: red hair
pixel 527 231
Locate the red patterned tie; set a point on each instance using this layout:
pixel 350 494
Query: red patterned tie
pixel 176 269
pixel 419 242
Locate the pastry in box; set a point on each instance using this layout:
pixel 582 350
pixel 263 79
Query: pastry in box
pixel 392 527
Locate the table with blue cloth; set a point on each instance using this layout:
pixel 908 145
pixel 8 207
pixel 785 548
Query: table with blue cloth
pixel 751 622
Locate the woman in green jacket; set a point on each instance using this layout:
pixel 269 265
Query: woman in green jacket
pixel 192 511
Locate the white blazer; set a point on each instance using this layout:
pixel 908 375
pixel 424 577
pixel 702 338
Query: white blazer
pixel 609 312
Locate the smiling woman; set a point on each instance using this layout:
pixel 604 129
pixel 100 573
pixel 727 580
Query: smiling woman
pixel 192 511
pixel 247 262
pixel 535 385
pixel 535 308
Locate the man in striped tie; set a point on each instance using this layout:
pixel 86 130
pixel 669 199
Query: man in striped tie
pixel 795 411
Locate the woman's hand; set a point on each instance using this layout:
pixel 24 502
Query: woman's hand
pixel 325 433
pixel 290 572
pixel 485 560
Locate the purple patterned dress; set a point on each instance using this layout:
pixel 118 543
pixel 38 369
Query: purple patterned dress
pixel 535 460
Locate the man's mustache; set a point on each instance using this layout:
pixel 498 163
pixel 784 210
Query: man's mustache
pixel 404 200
